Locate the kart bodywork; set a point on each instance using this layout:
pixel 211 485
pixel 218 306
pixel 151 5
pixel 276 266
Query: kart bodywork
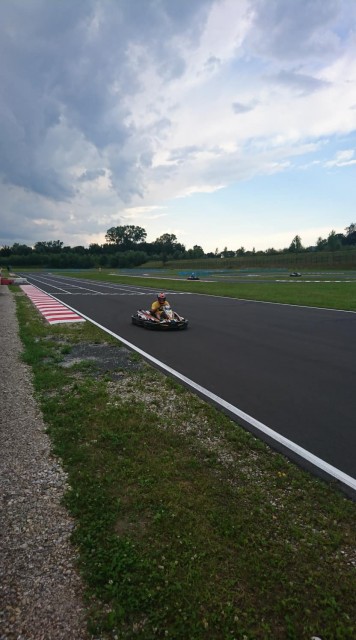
pixel 170 320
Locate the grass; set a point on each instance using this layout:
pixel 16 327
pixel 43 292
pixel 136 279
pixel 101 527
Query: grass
pixel 333 295
pixel 186 525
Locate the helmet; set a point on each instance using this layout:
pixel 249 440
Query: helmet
pixel 161 297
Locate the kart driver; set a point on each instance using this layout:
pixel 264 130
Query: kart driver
pixel 157 307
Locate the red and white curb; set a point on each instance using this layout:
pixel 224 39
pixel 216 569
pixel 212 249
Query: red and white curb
pixel 54 312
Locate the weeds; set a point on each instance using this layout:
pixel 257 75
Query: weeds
pixel 187 526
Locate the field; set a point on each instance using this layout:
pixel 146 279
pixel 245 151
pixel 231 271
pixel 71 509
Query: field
pixel 335 290
pixel 187 526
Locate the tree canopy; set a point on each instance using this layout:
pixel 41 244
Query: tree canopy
pixel 126 246
pixel 125 235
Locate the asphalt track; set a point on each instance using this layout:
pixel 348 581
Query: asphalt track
pixel 286 368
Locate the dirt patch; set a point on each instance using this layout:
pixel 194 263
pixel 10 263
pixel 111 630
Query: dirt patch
pixel 103 358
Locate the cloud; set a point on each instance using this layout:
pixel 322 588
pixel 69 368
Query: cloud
pixel 91 174
pixel 181 155
pixel 238 107
pixel 342 159
pixel 148 212
pixel 110 107
pixel 295 30
pixel 302 83
pixel 67 62
pixel 212 63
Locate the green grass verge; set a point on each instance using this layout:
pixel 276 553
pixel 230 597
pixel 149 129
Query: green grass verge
pixel 187 526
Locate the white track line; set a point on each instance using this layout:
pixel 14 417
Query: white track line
pixel 288 444
pixel 281 304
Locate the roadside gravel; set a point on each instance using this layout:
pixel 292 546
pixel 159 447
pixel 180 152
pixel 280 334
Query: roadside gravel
pixel 41 595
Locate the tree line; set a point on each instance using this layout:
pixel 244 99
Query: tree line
pixel 126 247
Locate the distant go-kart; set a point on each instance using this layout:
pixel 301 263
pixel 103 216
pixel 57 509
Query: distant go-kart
pixel 193 276
pixel 295 274
pixel 170 320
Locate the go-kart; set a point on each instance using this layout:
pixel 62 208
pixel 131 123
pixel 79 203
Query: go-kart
pixel 170 320
pixel 193 276
pixel 295 274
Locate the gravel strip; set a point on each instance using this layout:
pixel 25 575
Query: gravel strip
pixel 40 591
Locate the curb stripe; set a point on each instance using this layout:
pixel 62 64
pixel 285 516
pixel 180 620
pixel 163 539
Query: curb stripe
pixel 318 463
pixel 52 310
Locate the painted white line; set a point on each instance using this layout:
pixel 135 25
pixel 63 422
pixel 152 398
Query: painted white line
pixel 319 281
pixel 303 453
pixel 73 285
pixel 288 444
pixel 281 304
pixel 119 289
pixel 210 295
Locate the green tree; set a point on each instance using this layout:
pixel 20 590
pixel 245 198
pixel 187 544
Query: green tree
pixel 334 241
pixel 196 252
pixel 79 249
pixel 168 245
pixel 125 236
pixel 167 239
pixel 5 251
pixel 350 234
pixel 296 245
pixel 21 249
pixel 350 229
pixel 51 246
pixel 321 244
pixel 227 253
pixel 95 248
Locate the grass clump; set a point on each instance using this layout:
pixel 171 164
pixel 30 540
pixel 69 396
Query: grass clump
pixel 187 526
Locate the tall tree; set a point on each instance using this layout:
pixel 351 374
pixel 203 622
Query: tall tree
pixel 350 229
pixel 296 245
pixel 167 239
pixel 167 245
pixel 95 248
pixel 125 235
pixel 21 249
pixel 5 251
pixel 196 252
pixel 321 244
pixel 51 246
pixel 350 234
pixel 334 241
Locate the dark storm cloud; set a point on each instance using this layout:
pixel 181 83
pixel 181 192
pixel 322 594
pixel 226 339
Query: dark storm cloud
pixel 294 29
pixel 28 105
pixel 238 107
pixel 65 66
pixel 302 83
pixel 90 175
pixel 212 63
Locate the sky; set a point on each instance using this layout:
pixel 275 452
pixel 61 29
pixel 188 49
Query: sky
pixel 229 123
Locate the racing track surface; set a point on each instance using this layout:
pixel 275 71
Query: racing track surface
pixel 291 368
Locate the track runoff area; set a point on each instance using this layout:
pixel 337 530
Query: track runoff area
pixel 193 358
